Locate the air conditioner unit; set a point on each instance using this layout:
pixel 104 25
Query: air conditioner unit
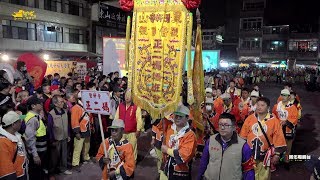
pixel 57 28
pixel 54 28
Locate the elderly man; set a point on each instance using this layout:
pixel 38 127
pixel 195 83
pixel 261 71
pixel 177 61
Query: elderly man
pixel 58 136
pixel 287 113
pixel 55 90
pixel 120 162
pixel 264 135
pixel 13 157
pixel 179 147
pixel 132 117
pixel 237 161
pixel 250 107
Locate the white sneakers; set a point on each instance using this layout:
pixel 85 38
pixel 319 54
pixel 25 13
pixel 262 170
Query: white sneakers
pixel 67 172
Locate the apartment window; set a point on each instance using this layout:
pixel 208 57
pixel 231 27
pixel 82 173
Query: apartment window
pixel 274 46
pixel 303 45
pixel 76 36
pixel 50 35
pixel 19 2
pixel 253 6
pixel 251 23
pixel 75 8
pixel 250 43
pixel 19 30
pixel 52 5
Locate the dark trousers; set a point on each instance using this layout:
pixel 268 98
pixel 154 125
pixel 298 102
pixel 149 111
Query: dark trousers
pixel 35 171
pixel 278 79
pixel 58 156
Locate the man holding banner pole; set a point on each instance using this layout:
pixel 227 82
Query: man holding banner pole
pixel 118 161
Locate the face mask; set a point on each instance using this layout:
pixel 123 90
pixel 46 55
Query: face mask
pixel 108 80
pixel 208 107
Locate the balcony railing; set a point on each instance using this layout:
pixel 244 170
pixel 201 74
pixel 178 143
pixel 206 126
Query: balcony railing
pixel 296 54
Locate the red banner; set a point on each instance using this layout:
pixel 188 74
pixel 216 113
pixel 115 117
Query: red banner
pixel 36 67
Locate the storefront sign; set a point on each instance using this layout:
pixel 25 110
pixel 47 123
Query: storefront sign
pixel 60 67
pixel 24 15
pixel 112 17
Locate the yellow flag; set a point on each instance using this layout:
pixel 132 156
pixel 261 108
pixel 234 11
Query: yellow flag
pixel 198 81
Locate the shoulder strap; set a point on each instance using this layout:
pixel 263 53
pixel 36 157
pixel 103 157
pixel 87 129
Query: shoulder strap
pixel 264 133
pixel 15 155
pixel 84 114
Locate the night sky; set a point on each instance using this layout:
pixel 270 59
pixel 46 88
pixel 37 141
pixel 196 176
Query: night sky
pixel 278 12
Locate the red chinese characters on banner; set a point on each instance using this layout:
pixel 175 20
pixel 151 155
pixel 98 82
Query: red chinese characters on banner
pixel 96 101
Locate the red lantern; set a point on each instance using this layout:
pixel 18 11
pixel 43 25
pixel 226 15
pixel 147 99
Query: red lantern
pixel 126 5
pixel 191 4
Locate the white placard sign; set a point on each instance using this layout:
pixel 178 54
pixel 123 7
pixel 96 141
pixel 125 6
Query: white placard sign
pixel 97 102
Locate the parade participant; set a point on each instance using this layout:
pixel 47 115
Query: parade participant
pixel 244 100
pixel 131 114
pixel 229 107
pixel 293 100
pixel 250 107
pixel 264 135
pixel 218 100
pixel 209 93
pixel 233 91
pixel 287 113
pixel 288 86
pixel 36 139
pixel 157 136
pixel 120 162
pixel 210 114
pixel 238 80
pixel 179 147
pixel 13 157
pixel 235 163
pixel 58 136
pixel 21 73
pixel 80 124
pixel 256 88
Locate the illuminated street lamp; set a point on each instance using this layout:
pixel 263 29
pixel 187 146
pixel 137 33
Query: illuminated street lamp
pixel 46 57
pixel 5 57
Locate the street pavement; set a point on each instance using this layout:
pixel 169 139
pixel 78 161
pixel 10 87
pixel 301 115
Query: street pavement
pixel 306 142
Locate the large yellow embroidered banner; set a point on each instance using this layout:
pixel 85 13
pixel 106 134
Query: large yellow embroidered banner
pixel 157 53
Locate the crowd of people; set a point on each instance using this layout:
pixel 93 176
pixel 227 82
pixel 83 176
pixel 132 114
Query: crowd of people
pixel 46 131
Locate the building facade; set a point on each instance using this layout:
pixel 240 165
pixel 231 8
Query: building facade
pixel 260 42
pixel 250 30
pixel 44 26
